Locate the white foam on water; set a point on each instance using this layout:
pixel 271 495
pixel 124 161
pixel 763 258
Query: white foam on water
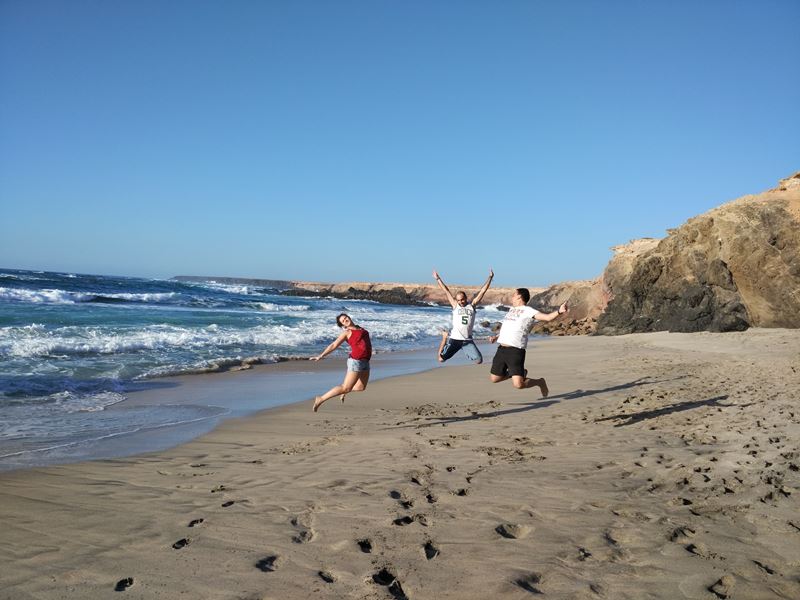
pixel 42 296
pixel 231 288
pixel 316 327
pixel 56 296
pixel 271 307
pixel 151 297
pixel 29 341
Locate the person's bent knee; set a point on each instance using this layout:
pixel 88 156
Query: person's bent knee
pixel 519 384
pixel 347 389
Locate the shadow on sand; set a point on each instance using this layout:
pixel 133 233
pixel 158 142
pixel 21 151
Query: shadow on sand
pixel 631 418
pixel 545 402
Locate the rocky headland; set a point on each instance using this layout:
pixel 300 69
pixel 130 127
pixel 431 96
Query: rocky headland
pixel 731 268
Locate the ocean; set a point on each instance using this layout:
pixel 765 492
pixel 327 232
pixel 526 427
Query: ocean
pixel 75 348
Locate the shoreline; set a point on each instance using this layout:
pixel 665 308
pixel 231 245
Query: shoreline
pixel 662 466
pixel 234 393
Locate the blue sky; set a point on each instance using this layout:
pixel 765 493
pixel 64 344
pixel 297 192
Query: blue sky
pixel 375 140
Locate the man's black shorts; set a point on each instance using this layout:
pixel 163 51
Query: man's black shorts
pixel 508 361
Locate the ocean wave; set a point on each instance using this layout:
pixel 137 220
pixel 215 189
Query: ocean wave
pixel 56 296
pixel 34 341
pixel 230 288
pixel 71 341
pixel 271 307
pixel 42 296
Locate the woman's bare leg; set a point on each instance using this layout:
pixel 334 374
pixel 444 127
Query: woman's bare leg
pixel 350 380
pixel 361 384
pixel 363 380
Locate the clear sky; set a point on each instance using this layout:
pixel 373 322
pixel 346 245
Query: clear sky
pixel 375 140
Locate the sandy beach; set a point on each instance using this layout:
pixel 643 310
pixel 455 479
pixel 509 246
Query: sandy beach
pixel 661 466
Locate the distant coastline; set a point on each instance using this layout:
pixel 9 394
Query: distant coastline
pixel 385 293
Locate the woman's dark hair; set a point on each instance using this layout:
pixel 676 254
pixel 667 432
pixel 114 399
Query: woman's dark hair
pixel 340 315
pixel 524 294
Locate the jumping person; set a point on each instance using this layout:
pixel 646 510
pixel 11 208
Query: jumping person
pixel 509 360
pixel 357 375
pixel 460 336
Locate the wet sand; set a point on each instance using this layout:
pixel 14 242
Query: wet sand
pixel 661 466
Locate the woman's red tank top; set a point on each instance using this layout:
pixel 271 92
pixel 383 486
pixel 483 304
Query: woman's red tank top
pixel 360 346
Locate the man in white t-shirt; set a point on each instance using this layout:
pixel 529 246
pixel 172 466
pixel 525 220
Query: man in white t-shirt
pixel 460 336
pixel 509 360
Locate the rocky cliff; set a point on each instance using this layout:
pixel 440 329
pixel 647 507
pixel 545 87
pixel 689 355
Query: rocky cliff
pixel 733 267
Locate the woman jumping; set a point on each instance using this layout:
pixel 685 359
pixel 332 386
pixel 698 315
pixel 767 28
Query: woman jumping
pixel 357 376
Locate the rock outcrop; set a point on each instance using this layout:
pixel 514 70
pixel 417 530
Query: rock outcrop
pixel 586 301
pixel 397 293
pixel 733 267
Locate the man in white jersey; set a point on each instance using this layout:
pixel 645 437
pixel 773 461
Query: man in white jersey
pixel 463 321
pixel 509 360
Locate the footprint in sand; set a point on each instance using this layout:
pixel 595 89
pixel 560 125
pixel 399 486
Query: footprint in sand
pixel 682 534
pixel 419 479
pixel 513 531
pixel 227 504
pixel 195 522
pixel 305 532
pixel 431 551
pixel 326 576
pixel 461 492
pixel 407 520
pixel 268 564
pixel 388 579
pixel 303 537
pixel 405 502
pixel 699 549
pixel 123 584
pixel 723 588
pixel 530 583
pixel 181 543
pixel 365 545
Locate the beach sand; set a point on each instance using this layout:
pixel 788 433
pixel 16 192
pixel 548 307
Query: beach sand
pixel 661 466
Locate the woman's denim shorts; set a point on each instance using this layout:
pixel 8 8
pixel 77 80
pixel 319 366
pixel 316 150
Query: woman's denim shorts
pixel 357 366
